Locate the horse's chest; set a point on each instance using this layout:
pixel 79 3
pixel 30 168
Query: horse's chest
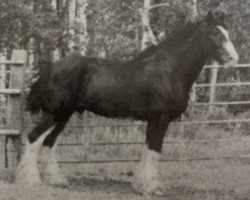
pixel 167 96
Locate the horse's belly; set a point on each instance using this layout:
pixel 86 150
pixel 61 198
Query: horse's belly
pixel 122 104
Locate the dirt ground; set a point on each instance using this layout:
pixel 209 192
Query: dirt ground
pixel 215 180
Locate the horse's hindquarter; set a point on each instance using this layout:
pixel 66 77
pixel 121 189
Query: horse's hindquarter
pixel 63 85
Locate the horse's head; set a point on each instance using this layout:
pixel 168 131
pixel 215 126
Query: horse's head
pixel 216 41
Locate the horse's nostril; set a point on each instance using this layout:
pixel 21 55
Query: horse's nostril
pixel 233 60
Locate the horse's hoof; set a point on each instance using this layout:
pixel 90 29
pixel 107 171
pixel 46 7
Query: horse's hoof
pixel 157 191
pixel 154 188
pixel 28 180
pixel 57 180
pixel 27 176
pixel 137 188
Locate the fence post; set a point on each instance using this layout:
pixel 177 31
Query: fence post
pixel 212 96
pixel 16 117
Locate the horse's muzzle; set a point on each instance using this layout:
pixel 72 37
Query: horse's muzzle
pixel 231 63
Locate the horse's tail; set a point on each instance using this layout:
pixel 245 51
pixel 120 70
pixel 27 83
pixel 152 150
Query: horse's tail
pixel 38 89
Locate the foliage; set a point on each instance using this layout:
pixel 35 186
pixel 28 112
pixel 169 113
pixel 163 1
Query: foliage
pixel 118 26
pixel 18 23
pixel 114 25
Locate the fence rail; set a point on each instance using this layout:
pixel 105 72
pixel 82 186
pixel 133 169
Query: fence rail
pixel 235 66
pixel 144 124
pixel 14 107
pixel 169 141
pixel 10 91
pixel 161 160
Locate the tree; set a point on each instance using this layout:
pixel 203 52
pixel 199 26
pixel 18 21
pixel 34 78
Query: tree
pixel 111 24
pixel 147 33
pixel 71 19
pixel 81 22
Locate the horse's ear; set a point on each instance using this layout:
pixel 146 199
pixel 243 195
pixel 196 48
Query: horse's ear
pixel 222 16
pixel 210 17
pixel 216 16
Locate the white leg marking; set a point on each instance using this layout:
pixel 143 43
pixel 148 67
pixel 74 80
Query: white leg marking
pixel 146 176
pixel 27 172
pixel 51 170
pixel 229 47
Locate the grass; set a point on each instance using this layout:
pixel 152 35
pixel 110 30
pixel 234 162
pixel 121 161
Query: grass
pixel 206 180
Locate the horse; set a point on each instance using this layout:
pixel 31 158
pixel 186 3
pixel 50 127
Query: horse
pixel 154 87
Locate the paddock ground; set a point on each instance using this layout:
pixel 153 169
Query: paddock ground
pixel 203 180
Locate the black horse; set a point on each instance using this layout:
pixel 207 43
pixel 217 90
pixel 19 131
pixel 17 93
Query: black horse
pixel 154 87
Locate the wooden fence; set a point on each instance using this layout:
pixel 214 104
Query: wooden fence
pixel 14 92
pixel 15 126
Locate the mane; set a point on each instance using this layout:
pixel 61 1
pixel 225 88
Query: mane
pixel 180 35
pixel 173 41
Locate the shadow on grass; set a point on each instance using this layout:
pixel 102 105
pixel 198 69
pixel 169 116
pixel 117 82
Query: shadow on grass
pixel 119 188
pixel 94 184
pixel 7 176
pixel 125 188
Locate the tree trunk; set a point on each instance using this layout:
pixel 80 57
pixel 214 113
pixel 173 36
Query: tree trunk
pixel 155 18
pixel 71 18
pixel 147 33
pixel 91 32
pixel 82 35
pixel 41 49
pixel 62 8
pixel 191 9
pixel 36 41
pixel 56 52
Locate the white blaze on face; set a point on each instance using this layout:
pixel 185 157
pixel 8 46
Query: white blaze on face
pixel 228 46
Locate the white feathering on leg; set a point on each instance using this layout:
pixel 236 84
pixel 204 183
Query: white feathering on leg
pixel 147 178
pixel 27 172
pixel 51 168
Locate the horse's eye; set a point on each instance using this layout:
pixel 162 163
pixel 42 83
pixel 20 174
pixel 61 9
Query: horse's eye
pixel 213 33
pixel 225 25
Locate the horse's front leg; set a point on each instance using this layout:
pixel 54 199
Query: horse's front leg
pixel 27 172
pixel 146 177
pixel 50 168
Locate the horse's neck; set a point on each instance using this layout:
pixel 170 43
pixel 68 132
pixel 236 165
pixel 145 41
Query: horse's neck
pixel 191 61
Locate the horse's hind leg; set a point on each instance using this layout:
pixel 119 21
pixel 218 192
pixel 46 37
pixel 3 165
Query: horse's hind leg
pixel 27 171
pixel 50 169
